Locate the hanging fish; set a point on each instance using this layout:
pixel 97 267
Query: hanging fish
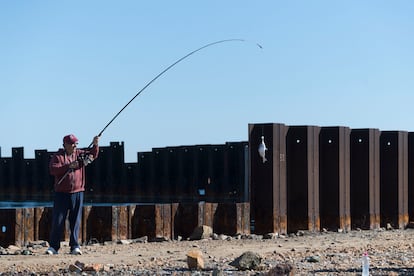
pixel 262 150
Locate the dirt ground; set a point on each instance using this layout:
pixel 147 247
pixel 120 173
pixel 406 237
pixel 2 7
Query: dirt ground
pixel 329 253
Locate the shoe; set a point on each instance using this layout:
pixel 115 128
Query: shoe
pixel 76 251
pixel 51 251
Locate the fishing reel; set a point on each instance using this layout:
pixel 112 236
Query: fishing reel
pixel 85 159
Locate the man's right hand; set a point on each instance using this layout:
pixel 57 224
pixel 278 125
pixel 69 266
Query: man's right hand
pixel 74 165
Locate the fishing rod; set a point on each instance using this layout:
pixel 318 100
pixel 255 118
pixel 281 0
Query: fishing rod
pixel 162 72
pixel 154 79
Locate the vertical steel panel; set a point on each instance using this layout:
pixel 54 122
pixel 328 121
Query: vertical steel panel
pixel 394 178
pixel 177 168
pixel 4 177
pixel 163 225
pixel 17 172
pixel 120 222
pixel 116 181
pixel 28 225
pixel 96 172
pixel 334 189
pixel 216 184
pixel 174 172
pixel 131 178
pixel 106 177
pixel 186 218
pixel 194 173
pixel 174 231
pixel 43 182
pixel 16 226
pixel 42 223
pixel 143 221
pixel 146 177
pixel 243 218
pixel 313 179
pixel 268 179
pixel 152 220
pixel 26 191
pixel 403 191
pixel 200 213
pixel 97 224
pixel 303 178
pixel 365 178
pixel 237 158
pixel 232 218
pixel 131 225
pixel 204 169
pixel 209 212
pixel 161 183
pixel 8 227
pixel 186 188
pixel 411 176
pixel 225 219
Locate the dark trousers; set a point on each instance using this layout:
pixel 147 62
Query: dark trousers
pixel 63 203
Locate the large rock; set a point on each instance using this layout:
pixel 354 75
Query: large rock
pixel 195 260
pixel 202 232
pixel 247 261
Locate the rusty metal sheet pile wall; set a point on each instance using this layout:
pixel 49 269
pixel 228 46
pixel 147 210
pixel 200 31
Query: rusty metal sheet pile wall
pixel 337 178
pixel 314 177
pixel 213 173
pixel 113 223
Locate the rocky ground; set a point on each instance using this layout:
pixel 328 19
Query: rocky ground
pixel 391 252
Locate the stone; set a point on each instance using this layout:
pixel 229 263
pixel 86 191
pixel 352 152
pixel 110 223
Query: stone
pixel 247 261
pixel 270 236
pixel 74 268
pixel 202 232
pixel 195 260
pixel 313 259
pixel 94 267
pixel 80 264
pixel 125 242
pixel 281 269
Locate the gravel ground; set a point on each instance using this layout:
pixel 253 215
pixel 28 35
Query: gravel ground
pixel 326 253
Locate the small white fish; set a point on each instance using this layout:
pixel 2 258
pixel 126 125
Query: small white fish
pixel 262 150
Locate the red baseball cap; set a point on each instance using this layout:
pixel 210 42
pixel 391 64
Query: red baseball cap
pixel 70 139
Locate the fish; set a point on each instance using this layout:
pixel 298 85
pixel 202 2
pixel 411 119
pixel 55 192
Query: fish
pixel 262 150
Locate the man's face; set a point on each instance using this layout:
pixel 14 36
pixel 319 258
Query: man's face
pixel 70 147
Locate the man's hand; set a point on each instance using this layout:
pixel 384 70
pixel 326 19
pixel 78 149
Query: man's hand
pixel 74 165
pixel 95 141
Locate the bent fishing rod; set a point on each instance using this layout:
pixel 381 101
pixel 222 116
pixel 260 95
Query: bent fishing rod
pixel 154 79
pixel 164 71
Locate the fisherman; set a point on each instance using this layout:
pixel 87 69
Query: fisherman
pixel 68 168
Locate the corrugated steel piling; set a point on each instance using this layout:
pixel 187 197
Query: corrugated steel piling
pixel 394 178
pixel 365 178
pixel 268 179
pixel 302 158
pixel 334 185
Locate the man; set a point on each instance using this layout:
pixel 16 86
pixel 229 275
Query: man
pixel 68 168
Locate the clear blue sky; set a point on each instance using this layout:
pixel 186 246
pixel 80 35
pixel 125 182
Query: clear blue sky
pixel 70 66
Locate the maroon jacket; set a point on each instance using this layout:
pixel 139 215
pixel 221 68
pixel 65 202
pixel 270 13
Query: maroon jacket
pixel 75 180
